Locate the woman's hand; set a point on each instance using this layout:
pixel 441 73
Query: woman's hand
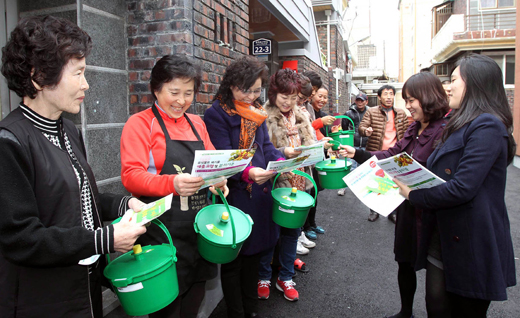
pixel 327 144
pixel 335 128
pixel 289 152
pixel 135 204
pixel 328 120
pixel 222 185
pixel 186 185
pixel 126 233
pixel 403 189
pixel 349 151
pixel 260 176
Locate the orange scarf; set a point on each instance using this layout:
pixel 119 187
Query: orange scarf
pixel 251 120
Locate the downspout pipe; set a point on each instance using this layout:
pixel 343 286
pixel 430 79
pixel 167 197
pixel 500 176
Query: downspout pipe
pixel 328 13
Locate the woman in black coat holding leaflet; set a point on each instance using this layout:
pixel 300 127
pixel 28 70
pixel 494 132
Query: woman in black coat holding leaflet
pixel 466 242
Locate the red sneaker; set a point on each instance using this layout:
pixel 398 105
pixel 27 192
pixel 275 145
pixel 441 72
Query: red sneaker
pixel 287 287
pixel 263 289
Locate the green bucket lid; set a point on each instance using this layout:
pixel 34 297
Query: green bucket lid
pixel 298 199
pixel 212 224
pixel 333 165
pixel 131 268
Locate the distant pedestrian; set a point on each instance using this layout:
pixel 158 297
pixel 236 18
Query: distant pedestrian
pixel 466 244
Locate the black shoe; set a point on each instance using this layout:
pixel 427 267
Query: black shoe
pixel 392 217
pixel 373 216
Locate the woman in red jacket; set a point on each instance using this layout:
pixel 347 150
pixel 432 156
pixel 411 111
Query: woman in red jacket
pixel 157 151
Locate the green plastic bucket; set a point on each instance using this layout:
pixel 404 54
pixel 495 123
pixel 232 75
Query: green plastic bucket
pixel 145 279
pixel 345 137
pixel 221 231
pixel 332 171
pixel 291 206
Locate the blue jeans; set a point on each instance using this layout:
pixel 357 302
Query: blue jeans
pixel 287 255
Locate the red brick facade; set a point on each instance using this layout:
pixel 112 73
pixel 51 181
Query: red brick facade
pixel 213 31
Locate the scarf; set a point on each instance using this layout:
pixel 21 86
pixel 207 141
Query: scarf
pixel 252 118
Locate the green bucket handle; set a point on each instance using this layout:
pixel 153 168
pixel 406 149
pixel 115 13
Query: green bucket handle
pixel 223 198
pixel 303 174
pixel 165 230
pixel 342 116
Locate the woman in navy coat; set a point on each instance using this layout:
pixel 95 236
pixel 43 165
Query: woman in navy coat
pixel 236 120
pixel 466 242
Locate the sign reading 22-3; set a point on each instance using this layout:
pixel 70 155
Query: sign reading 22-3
pixel 261 46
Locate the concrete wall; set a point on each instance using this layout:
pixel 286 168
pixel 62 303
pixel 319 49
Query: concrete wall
pixel 105 109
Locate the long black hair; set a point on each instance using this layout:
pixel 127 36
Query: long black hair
pixel 242 74
pixel 484 93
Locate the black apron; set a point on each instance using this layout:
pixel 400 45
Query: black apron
pixel 191 267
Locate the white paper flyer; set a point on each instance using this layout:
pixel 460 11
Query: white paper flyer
pixel 374 188
pixel 216 165
pixel 405 169
pixel 150 211
pixel 310 156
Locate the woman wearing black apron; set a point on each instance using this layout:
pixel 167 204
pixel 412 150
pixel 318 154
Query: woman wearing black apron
pixel 157 150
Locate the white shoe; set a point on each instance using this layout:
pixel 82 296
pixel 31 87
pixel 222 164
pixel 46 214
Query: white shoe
pixel 301 250
pixel 341 191
pixel 305 241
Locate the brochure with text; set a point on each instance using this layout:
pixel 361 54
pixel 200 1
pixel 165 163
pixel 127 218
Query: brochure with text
pixel 310 155
pixel 405 169
pixel 216 165
pixel 373 187
pixel 150 211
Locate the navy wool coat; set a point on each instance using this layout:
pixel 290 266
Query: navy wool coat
pixel 469 211
pixel 224 132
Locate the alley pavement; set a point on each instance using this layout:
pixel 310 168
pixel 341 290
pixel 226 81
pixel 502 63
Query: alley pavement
pixel 352 268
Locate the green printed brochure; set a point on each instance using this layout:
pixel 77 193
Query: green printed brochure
pixel 150 211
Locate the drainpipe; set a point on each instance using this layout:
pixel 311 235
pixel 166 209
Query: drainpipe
pixel 328 13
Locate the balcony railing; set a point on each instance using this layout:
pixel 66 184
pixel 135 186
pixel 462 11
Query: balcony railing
pixel 493 21
pixel 441 15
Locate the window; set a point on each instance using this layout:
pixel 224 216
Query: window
pixel 496 4
pixel 507 65
pixel 442 70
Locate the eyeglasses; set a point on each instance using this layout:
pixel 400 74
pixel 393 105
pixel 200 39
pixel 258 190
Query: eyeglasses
pixel 302 98
pixel 249 92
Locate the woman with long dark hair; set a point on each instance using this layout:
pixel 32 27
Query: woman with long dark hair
pixel 427 102
pixel 466 244
pixel 236 120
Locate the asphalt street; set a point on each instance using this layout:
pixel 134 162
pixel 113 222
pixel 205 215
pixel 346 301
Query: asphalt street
pixel 352 269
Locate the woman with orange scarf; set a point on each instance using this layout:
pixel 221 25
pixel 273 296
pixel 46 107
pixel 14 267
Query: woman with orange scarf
pixel 236 120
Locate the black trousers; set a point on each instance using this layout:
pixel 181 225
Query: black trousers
pixel 443 304
pixel 240 285
pixel 184 306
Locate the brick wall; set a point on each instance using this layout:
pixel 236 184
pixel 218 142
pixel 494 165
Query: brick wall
pixel 213 31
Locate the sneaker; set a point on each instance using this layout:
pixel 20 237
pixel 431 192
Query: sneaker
pixel 311 235
pixel 287 287
pixel 318 229
pixel 263 289
pixel 341 191
pixel 305 241
pixel 301 250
